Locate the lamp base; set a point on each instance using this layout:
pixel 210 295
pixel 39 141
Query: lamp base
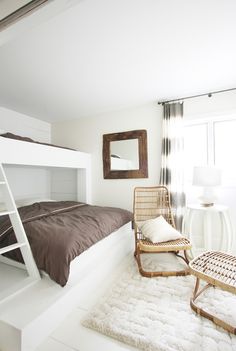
pixel 208 205
pixel 208 197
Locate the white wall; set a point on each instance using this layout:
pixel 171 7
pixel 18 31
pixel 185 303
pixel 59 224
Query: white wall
pixel 27 182
pixel 18 123
pixel 217 105
pixel 86 135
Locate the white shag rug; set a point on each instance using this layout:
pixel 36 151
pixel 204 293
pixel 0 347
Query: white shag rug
pixel 153 314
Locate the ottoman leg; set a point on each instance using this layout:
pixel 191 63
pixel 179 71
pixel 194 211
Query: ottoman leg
pixel 203 313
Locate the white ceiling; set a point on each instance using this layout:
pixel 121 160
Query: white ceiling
pixel 104 55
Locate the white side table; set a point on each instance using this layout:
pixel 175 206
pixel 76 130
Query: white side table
pixel 208 216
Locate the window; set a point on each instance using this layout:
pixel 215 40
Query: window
pixel 225 146
pixel 195 145
pixel 211 142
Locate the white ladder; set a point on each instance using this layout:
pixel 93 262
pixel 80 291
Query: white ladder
pixel 22 241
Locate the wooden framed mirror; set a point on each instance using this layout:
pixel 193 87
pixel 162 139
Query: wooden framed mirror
pixel 125 155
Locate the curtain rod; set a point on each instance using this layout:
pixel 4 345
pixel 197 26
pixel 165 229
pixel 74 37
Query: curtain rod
pixel 194 96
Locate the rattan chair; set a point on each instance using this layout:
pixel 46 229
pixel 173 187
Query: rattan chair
pixel 149 203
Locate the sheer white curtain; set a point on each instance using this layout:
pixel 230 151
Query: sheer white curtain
pixel 172 158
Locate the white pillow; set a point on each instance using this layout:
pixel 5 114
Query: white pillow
pixel 159 230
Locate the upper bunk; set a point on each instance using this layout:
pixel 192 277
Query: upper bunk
pixel 20 152
pixel 15 151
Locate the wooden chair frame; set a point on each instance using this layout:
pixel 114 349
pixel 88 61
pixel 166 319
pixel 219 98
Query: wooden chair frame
pixel 217 269
pixel 149 203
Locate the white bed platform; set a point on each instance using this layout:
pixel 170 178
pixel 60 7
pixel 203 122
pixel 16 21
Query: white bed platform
pixel 29 317
pixel 31 313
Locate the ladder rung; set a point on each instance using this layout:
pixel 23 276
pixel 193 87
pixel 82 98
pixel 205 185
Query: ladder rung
pixel 9 208
pixel 11 247
pixel 3 213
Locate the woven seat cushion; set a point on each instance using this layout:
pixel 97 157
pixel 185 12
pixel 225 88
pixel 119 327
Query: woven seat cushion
pixel 158 230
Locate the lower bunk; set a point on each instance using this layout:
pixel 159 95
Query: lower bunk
pixel 30 316
pixel 75 246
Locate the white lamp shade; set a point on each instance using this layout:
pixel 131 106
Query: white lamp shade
pixel 206 176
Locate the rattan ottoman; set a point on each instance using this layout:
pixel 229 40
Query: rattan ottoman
pixel 218 269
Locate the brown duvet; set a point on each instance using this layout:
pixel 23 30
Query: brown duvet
pixel 60 231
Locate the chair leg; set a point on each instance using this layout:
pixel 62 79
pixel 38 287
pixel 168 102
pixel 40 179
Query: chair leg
pixel 135 248
pixel 205 314
pixel 138 259
pixel 147 274
pixel 135 244
pixel 185 257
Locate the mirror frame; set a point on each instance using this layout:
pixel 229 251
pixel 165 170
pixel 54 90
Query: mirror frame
pixel 142 172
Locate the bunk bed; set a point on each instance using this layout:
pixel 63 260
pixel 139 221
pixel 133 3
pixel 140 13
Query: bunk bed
pixel 44 304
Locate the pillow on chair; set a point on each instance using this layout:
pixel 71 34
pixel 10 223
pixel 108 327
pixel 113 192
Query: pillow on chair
pixel 159 230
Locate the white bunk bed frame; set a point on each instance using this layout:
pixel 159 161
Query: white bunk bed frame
pixel 33 154
pixel 30 315
pixel 15 152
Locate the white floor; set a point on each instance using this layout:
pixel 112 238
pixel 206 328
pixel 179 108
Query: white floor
pixel 72 336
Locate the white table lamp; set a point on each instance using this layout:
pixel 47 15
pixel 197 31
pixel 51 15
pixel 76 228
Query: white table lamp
pixel 208 178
